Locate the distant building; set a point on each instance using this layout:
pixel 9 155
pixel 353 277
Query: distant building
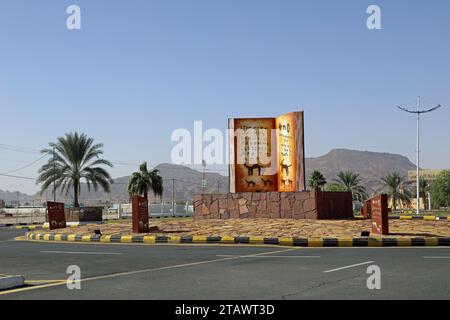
pixel 2 204
pixel 15 203
pixel 429 175
pixel 411 206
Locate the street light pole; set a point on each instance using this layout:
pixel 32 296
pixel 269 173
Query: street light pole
pixel 418 112
pixel 418 157
pixel 204 177
pixel 54 173
pixel 173 198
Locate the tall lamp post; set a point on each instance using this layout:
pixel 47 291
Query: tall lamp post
pixel 204 177
pixel 418 112
pixel 54 181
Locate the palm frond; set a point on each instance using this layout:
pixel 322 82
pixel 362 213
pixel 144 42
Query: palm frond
pixel 74 156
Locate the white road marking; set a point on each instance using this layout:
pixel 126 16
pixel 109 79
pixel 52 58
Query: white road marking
pixel 268 256
pixel 127 273
pixel 350 266
pixel 87 252
pixel 436 257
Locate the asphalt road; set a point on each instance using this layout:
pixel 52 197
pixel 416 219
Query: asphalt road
pixel 118 271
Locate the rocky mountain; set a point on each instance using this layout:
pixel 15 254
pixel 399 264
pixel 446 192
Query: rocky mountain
pixel 187 182
pixel 12 197
pixel 371 166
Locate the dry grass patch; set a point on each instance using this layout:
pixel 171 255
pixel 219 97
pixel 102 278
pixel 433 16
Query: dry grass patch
pixel 269 228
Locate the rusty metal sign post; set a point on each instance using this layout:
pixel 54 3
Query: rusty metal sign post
pixel 139 214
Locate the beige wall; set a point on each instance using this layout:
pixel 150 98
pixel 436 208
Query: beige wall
pixel 413 205
pixel 428 175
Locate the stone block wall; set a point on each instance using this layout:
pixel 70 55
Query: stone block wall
pixel 284 205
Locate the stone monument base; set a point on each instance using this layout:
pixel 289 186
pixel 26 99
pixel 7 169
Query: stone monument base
pixel 276 205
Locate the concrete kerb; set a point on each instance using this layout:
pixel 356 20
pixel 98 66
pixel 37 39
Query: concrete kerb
pixel 46 226
pixel 280 241
pixel 11 282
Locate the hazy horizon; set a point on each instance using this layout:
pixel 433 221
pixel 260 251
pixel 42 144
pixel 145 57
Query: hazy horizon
pixel 219 171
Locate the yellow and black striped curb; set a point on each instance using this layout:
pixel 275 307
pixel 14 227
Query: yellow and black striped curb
pixel 413 212
pixel 45 226
pixel 427 218
pixel 21 225
pixel 286 241
pixel 408 217
pixel 36 227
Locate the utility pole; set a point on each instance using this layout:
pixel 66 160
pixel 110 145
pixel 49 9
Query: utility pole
pixel 54 177
pixel 429 201
pixel 173 197
pixel 418 112
pixel 204 177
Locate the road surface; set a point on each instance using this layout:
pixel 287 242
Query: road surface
pixel 135 271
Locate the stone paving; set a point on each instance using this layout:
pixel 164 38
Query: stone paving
pixel 269 228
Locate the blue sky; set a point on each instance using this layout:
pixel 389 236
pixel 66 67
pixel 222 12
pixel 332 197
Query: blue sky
pixel 137 70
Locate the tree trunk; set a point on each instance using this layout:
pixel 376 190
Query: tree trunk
pixel 75 195
pixel 146 196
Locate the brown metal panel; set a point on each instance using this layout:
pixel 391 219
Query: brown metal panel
pixel 334 205
pixel 56 215
pixel 139 207
pixel 366 210
pixel 380 215
pixel 91 214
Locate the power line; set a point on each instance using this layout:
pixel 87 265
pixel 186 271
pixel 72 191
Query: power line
pixel 17 177
pixel 18 149
pixel 15 161
pixel 120 163
pixel 115 183
pixel 26 166
pixel 183 181
pixel 184 168
pixel 216 170
pixel 116 162
pixel 35 151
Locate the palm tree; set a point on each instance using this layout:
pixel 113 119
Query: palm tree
pixel 424 188
pixel 143 181
pixel 317 180
pixel 350 182
pixel 395 190
pixel 73 158
pixel 334 187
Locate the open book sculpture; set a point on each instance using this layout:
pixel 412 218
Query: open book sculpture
pixel 267 154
